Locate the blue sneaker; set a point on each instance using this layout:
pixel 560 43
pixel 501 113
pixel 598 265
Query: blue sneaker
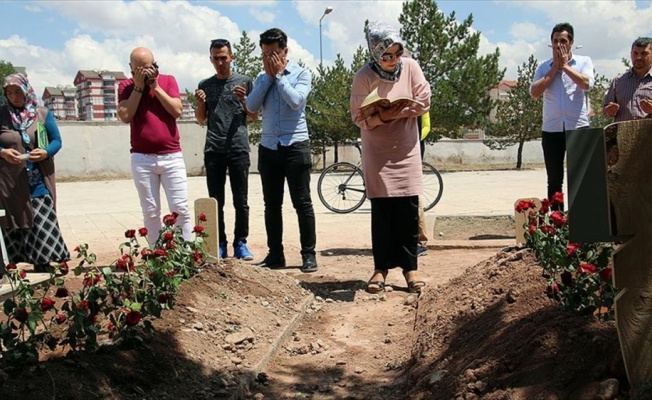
pixel 223 253
pixel 241 251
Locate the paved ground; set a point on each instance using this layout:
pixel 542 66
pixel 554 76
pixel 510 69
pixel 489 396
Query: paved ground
pixel 99 212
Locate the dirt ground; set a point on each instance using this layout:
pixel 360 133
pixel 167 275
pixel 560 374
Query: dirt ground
pixel 482 329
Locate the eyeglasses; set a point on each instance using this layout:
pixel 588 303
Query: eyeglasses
pixel 391 57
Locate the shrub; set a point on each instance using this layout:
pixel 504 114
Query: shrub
pixel 115 302
pixel 579 274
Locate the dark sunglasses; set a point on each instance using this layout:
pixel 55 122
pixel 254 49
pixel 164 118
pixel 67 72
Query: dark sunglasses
pixel 391 57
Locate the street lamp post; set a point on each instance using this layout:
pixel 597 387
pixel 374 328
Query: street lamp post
pixel 327 11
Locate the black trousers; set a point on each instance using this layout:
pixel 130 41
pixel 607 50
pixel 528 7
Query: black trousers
pixel 554 152
pixel 291 163
pixel 238 166
pixel 394 231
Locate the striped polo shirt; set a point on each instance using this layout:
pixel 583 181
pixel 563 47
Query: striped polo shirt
pixel 626 90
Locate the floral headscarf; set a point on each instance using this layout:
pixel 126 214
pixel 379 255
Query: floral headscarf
pixel 380 37
pixel 22 118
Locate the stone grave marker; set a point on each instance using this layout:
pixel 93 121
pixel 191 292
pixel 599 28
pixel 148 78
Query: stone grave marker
pixel 610 198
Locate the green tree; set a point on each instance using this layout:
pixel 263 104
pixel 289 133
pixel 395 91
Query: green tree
pixel 596 97
pixel 245 62
pixel 191 98
pixel 518 118
pixel 327 111
pixel 447 51
pixel 6 68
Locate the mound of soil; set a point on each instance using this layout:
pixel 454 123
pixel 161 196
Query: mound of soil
pixel 209 346
pixel 492 333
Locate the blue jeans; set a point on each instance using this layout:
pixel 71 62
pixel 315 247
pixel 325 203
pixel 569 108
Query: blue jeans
pixel 275 166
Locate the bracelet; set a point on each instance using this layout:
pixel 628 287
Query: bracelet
pixel 138 90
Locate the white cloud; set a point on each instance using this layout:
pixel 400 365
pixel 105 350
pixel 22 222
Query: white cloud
pixel 526 31
pixel 32 8
pixel 264 17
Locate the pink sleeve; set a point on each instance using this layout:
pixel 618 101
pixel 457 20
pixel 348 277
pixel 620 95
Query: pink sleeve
pixel 359 90
pixel 420 91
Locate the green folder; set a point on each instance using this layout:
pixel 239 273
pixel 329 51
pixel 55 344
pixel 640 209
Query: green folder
pixel 42 136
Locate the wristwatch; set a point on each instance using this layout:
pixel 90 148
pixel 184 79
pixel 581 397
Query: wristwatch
pixel 279 75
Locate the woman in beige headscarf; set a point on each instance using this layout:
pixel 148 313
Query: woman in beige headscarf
pixel 391 160
pixel 27 184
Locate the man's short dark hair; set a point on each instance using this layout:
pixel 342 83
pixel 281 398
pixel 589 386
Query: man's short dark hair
pixel 642 42
pixel 563 27
pixel 219 43
pixel 272 36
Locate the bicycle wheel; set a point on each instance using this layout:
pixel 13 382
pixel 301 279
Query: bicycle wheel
pixel 433 186
pixel 341 188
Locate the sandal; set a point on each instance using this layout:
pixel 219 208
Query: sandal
pixel 415 286
pixel 375 285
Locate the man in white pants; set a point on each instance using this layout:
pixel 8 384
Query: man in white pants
pixel 150 103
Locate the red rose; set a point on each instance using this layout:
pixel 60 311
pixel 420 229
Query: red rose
pixel 168 236
pixel 21 314
pixel 588 268
pixel 175 214
pixel 558 198
pixel 198 229
pixel 133 318
pixel 532 229
pixel 160 253
pixel 63 268
pixel 558 219
pixel 61 318
pixel 552 290
pixel 82 305
pixel 571 249
pixel 47 304
pixel 146 253
pixel 77 249
pixel 88 280
pixel 10 266
pixel 62 292
pixel 121 265
pixel 196 255
pixel 170 245
pixel 605 274
pixel 567 278
pixel 171 273
pixel 545 206
pixel 202 217
pixel 169 220
pixel 130 233
pixel 97 278
pixel 524 205
pixel 548 230
pixel 22 274
pixel 142 231
pixel 163 297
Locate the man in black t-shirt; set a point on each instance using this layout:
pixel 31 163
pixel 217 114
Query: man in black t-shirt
pixel 221 106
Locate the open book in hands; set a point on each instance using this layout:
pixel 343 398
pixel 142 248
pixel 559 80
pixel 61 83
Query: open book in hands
pixel 373 101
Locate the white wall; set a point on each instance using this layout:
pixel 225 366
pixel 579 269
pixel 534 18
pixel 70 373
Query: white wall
pixel 101 150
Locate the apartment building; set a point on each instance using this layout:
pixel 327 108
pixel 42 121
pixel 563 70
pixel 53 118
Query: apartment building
pixel 188 111
pixel 62 102
pixel 97 94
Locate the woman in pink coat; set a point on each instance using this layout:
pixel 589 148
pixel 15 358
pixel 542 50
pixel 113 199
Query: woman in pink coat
pixel 391 159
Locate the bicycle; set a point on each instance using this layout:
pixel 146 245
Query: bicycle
pixel 341 186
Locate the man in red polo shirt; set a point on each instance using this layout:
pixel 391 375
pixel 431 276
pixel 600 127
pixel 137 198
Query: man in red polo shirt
pixel 150 103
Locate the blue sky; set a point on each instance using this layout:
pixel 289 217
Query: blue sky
pixel 54 39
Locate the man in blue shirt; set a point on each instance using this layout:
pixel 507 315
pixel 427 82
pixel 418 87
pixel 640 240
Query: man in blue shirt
pixel 563 80
pixel 281 90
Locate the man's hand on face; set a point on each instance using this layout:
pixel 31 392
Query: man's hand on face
pixel 277 64
pixel 267 65
pixel 139 76
pixel 564 55
pixel 611 109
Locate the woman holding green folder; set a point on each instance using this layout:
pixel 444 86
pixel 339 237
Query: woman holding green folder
pixel 29 138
